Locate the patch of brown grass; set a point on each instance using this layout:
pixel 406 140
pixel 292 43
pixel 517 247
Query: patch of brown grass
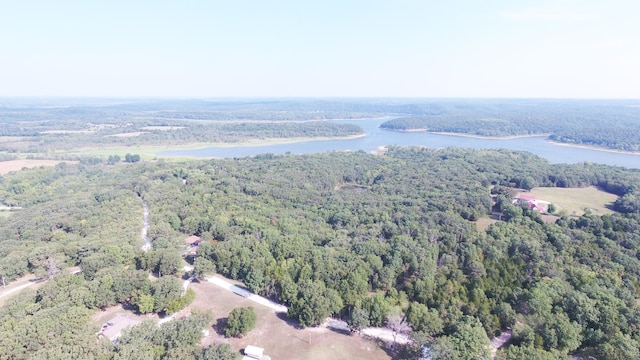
pixel 127 135
pixel 16 165
pixel 102 316
pixel 279 336
pixel 162 128
pixel 67 132
pixel 483 223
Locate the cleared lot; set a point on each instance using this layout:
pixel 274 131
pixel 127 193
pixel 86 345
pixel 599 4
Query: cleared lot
pixel 279 336
pixel 575 200
pixel 15 165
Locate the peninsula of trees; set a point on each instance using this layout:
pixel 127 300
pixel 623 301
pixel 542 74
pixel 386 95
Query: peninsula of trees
pixel 613 124
pixel 63 129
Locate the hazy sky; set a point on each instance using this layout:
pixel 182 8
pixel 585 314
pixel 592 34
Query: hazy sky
pixel 235 48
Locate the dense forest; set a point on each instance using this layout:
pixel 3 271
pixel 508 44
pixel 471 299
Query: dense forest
pixel 350 235
pixel 50 128
pixel 607 124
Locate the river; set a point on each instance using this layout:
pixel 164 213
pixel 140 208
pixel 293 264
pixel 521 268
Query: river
pixel 376 137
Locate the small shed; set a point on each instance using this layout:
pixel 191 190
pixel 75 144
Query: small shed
pixel 253 352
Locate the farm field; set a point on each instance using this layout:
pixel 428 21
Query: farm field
pixel 15 165
pixel 574 201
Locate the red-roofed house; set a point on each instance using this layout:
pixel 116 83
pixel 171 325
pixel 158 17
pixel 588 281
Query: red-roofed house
pixel 192 242
pixel 532 202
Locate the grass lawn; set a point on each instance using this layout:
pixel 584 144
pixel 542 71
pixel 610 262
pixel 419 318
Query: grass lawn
pixel 280 338
pixel 574 201
pixel 483 223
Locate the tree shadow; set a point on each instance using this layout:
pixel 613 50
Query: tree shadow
pixel 289 321
pixel 399 352
pixel 342 331
pixel 127 305
pixel 220 325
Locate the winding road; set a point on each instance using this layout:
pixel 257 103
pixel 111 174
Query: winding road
pixel 16 289
pixel 145 227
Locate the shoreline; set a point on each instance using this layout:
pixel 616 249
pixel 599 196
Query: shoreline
pixel 509 137
pixel 595 148
pixel 513 137
pixel 263 142
pixel 151 151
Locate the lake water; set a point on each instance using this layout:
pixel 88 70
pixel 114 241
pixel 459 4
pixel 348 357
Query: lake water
pixel 376 137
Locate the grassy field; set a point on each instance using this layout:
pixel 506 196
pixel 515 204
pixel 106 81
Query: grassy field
pixel 574 201
pixel 483 223
pixel 15 165
pixel 281 338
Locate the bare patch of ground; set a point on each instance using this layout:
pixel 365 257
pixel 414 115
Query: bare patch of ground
pixel 483 223
pixel 67 132
pixel 102 316
pixel 499 341
pixel 127 135
pixel 574 201
pixel 549 219
pixel 16 165
pixel 16 286
pixel 280 337
pixel 162 128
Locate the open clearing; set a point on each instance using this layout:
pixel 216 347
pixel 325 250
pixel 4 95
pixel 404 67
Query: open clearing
pixel 162 128
pixel 15 165
pixel 27 281
pixel 126 135
pixel 279 336
pixel 67 132
pixel 573 201
pixel 483 223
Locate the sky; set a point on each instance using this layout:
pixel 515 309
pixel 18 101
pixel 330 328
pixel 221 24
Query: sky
pixel 346 48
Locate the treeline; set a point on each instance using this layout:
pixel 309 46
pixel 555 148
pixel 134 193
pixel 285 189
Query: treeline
pixel 89 216
pixel 183 133
pixel 39 126
pixel 363 237
pixel 324 234
pixel 74 113
pixel 608 124
pixel 54 323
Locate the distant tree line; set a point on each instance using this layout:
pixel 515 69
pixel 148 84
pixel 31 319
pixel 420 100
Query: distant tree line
pixel 607 124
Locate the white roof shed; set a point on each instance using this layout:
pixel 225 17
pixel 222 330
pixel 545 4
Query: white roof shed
pixel 253 352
